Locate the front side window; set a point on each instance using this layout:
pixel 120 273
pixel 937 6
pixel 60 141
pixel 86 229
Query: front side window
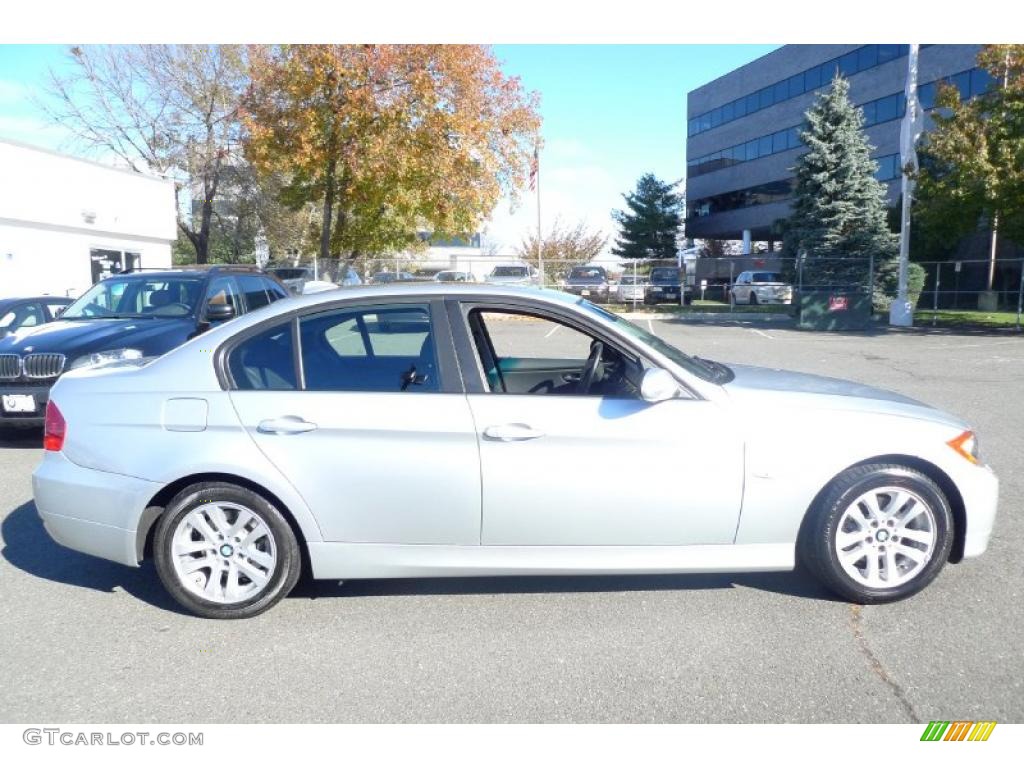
pixel 521 353
pixel 223 290
pixel 370 349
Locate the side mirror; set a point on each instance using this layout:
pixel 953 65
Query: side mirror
pixel 658 385
pixel 215 313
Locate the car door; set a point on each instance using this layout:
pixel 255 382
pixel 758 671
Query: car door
pixel 552 459
pixel 741 290
pixel 372 428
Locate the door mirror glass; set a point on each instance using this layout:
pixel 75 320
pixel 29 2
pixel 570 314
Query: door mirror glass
pixel 658 385
pixel 218 312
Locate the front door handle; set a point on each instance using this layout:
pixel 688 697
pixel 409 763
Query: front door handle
pixel 512 432
pixel 285 425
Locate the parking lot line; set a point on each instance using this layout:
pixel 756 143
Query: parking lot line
pixel 761 333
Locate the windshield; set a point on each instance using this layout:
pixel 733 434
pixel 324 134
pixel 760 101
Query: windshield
pixel 767 277
pixel 119 297
pixel 509 272
pixel 578 272
pixel 705 369
pixel 665 275
pixel 630 280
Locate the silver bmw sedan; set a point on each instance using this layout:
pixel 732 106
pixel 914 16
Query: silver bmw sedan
pixel 455 430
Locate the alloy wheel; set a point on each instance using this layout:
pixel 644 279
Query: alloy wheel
pixel 224 552
pixel 885 537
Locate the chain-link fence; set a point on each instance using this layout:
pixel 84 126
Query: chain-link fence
pixel 758 283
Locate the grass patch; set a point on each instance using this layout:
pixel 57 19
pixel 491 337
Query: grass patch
pixel 966 317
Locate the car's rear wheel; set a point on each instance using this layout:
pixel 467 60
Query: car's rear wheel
pixel 225 552
pixel 879 533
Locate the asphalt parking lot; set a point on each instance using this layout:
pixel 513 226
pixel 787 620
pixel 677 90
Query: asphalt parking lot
pixel 83 640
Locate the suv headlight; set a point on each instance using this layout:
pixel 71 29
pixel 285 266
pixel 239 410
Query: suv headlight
pixel 107 356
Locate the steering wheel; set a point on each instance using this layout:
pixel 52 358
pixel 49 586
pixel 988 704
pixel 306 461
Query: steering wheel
pixel 174 309
pixel 590 369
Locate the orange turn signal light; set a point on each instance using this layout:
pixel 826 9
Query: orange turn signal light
pixel 966 444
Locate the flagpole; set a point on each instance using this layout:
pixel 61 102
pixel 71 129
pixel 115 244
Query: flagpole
pixel 540 238
pixel 901 312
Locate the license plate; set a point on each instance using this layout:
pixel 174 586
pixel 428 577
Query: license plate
pixel 19 403
pixel 585 293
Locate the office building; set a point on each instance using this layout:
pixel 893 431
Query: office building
pixel 743 128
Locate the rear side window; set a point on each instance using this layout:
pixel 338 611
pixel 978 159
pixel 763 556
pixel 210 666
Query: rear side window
pixel 255 291
pixel 274 290
pixel 370 349
pixel 265 361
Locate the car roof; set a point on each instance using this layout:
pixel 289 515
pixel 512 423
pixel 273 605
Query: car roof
pixel 46 299
pixel 429 290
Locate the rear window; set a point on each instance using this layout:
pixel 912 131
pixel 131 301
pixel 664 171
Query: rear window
pixel 290 274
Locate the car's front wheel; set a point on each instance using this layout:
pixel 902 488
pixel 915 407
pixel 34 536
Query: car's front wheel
pixel 225 552
pixel 879 533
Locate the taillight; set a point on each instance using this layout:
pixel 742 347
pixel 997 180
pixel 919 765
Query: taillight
pixel 56 427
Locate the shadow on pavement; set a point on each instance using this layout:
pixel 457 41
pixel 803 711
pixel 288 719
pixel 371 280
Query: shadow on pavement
pixel 793 583
pixel 28 547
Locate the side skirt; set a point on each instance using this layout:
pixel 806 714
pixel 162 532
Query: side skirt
pixel 335 560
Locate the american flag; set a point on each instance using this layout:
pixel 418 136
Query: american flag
pixel 534 167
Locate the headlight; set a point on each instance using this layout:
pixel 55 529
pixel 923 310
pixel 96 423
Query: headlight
pixel 966 444
pixel 108 356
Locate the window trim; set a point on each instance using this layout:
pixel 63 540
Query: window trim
pixel 474 378
pixel 448 368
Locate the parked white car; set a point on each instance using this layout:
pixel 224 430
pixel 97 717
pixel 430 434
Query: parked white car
pixel 631 288
pixel 761 288
pixel 447 430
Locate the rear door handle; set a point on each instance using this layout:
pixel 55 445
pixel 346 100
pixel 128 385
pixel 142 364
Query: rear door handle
pixel 512 432
pixel 285 425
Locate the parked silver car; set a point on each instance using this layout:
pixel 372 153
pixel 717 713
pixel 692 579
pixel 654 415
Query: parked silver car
pixel 447 430
pixel 631 288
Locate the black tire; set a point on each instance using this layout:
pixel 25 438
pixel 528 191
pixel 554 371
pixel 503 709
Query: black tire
pixel 752 301
pixel 289 558
pixel 816 548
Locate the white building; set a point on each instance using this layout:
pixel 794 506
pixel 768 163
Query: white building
pixel 66 222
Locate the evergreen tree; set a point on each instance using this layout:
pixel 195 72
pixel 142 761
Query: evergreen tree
pixel 839 213
pixel 650 224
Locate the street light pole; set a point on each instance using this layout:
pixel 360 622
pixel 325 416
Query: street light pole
pixel 901 312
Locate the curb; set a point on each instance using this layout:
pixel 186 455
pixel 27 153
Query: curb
pixel 765 317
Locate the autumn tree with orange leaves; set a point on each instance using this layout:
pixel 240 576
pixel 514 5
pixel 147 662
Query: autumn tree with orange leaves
pixel 388 139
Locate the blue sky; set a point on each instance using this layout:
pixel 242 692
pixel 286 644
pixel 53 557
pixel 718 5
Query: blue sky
pixel 611 113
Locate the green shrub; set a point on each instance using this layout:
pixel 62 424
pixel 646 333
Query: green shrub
pixel 887 279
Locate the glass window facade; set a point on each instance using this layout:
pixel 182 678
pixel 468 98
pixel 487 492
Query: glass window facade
pixel 855 61
pixel 775 191
pixel 878 111
pixel 970 83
